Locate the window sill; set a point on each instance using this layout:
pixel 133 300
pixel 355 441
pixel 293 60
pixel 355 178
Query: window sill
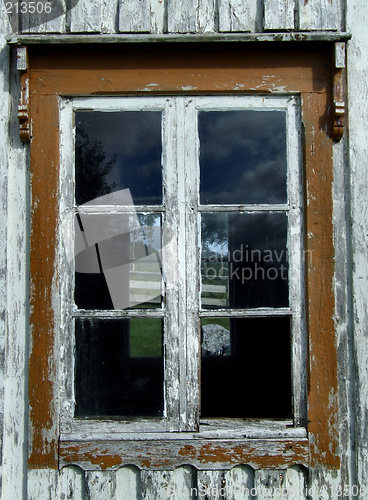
pixel 271 444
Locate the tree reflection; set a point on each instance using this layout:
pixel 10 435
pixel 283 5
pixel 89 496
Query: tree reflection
pixel 91 168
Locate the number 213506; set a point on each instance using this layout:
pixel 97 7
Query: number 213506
pixel 28 7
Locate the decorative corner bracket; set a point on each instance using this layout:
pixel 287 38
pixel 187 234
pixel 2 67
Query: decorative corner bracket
pixel 339 91
pixel 23 108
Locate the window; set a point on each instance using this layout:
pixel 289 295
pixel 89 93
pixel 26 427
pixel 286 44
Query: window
pixel 187 302
pixel 236 262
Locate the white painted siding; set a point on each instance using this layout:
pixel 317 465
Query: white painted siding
pixel 13 280
pixel 357 19
pixel 279 14
pixel 128 483
pixel 184 483
pixel 192 16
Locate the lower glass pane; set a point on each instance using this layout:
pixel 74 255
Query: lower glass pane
pixel 246 368
pixel 119 370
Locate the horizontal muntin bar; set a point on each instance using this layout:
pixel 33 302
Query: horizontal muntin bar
pixel 130 209
pixel 119 313
pixel 245 313
pixel 244 208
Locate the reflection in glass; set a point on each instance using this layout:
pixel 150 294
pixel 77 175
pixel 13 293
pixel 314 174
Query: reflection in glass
pixel 244 261
pixel 117 261
pixel 116 375
pixel 242 157
pixel 215 337
pixel 254 380
pixel 117 150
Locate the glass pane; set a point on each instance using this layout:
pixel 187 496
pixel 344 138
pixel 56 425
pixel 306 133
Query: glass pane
pixel 117 261
pixel 252 379
pixel 109 380
pixel 118 150
pixel 242 157
pixel 244 260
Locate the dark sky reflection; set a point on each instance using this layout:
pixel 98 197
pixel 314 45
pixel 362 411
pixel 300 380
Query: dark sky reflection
pixel 242 157
pixel 133 138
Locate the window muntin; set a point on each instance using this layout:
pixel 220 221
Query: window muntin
pixel 182 326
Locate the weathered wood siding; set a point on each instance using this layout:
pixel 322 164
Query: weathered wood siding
pixel 350 184
pixel 191 16
pixel 357 21
pixel 184 483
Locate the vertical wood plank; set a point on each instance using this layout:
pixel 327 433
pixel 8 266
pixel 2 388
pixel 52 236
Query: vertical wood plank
pixel 182 16
pixel 296 481
pixel 43 378
pixel 41 22
pixel 322 397
pixel 211 484
pixel 319 15
pixel 71 484
pixel 94 16
pixel 128 483
pixel 324 484
pixel 165 485
pixel 206 21
pixel 192 251
pixel 270 483
pixel 357 22
pixel 9 23
pixel 191 16
pixel 110 19
pixel 184 479
pixel 171 251
pixel 278 14
pixel 134 16
pixel 157 485
pixel 158 18
pixel 239 483
pixel 86 16
pixel 100 485
pixel 234 16
pixel 42 484
pixel 13 279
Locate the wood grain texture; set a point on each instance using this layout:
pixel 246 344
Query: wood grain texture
pixel 40 23
pixel 357 17
pixel 319 14
pixel 100 486
pixel 134 16
pixel 279 15
pixel 14 221
pixel 322 384
pixel 234 16
pixel 226 69
pixel 188 16
pixel 93 16
pixel 43 240
pixel 185 16
pixel 167 455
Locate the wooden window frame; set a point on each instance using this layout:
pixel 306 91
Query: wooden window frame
pixel 302 70
pixel 182 280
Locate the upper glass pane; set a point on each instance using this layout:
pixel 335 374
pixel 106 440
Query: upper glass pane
pixel 242 157
pixel 118 150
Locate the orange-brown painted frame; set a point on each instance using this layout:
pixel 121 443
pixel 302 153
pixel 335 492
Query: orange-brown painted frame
pixel 131 69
